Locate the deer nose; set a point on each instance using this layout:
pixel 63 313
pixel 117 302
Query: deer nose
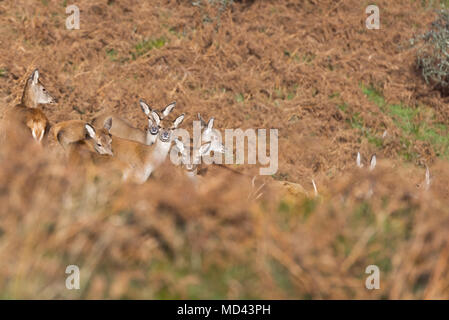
pixel 38 134
pixel 165 135
pixel 110 152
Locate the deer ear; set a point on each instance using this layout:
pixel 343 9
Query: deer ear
pixel 203 123
pixel 155 117
pixel 178 120
pixel 204 149
pixel 358 161
pixel 35 76
pixel 145 108
pixel 179 145
pixel 210 124
pixel 168 109
pixel 108 124
pixel 90 130
pixel 373 162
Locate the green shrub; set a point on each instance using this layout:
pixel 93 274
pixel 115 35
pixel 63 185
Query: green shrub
pixel 432 55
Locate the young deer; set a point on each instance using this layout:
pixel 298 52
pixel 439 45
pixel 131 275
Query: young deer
pixel 359 163
pixel 210 134
pixel 139 160
pixel 123 129
pixel 191 156
pixel 26 115
pixel 192 168
pixel 75 134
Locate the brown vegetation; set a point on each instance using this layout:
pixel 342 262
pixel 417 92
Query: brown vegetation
pixel 306 68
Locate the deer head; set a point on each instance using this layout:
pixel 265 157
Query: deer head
pixel 35 93
pixel 152 129
pixel 209 134
pixel 102 138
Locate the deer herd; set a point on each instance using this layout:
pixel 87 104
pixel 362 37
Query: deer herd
pixel 136 152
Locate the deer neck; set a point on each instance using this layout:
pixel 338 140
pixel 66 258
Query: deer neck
pixel 155 157
pixel 191 167
pixel 27 97
pixel 160 152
